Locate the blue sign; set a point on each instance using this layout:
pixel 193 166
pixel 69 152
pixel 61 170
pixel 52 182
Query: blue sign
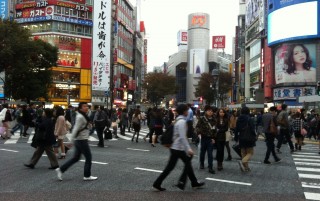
pixel 57 18
pixel 4 9
pixel 106 93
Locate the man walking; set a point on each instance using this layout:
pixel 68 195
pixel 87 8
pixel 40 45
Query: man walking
pixel 80 135
pixel 283 122
pixel 268 122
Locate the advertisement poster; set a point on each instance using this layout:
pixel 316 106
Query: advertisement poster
pixel 3 9
pixel 197 62
pixel 295 62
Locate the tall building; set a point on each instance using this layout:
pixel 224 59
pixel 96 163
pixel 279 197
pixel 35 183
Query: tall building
pixel 68 26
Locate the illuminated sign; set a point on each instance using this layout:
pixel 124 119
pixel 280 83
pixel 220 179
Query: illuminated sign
pixel 65 86
pixel 199 20
pixel 3 9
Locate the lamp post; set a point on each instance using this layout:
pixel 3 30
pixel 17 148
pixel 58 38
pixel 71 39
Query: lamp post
pixel 215 74
pixel 69 92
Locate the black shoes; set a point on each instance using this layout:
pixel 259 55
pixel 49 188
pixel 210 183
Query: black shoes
pixel 31 166
pixel 211 171
pixel 278 160
pixel 201 167
pixel 229 158
pixel 180 185
pixel 198 185
pixel 267 162
pixel 53 168
pixel 158 188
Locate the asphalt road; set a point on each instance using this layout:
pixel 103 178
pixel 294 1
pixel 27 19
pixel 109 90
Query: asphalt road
pixel 126 171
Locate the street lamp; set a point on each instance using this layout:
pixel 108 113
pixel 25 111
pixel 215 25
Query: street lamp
pixel 69 92
pixel 215 83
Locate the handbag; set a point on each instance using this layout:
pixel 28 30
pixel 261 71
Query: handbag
pixel 303 131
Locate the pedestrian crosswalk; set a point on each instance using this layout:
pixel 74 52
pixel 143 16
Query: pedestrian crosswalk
pixel 14 139
pixel 307 164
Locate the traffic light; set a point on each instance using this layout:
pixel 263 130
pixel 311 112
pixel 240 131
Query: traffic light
pixel 318 88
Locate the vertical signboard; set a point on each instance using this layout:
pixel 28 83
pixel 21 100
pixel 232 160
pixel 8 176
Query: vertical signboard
pixel 4 9
pixel 197 62
pixel 101 45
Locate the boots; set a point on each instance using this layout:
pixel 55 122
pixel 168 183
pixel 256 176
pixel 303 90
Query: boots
pixel 296 146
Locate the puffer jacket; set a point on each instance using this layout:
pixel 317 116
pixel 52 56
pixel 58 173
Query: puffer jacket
pixel 204 129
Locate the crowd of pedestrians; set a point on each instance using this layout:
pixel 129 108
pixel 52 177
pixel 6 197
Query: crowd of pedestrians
pixel 210 129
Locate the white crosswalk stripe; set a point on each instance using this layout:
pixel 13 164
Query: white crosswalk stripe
pixel 307 164
pixel 16 138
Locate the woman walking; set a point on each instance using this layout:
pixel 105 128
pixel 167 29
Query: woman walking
pixel 136 124
pixel 180 149
pixel 158 126
pixel 60 131
pixel 297 125
pixel 222 128
pixel 43 140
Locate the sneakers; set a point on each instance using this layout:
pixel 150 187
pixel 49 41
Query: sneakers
pixel 198 185
pixel 91 178
pixel 158 188
pixel 267 162
pixel 278 160
pixel 241 166
pixel 59 174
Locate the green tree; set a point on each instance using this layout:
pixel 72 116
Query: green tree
pixel 206 89
pixel 27 63
pixel 159 85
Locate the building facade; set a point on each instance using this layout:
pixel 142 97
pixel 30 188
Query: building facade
pixel 68 26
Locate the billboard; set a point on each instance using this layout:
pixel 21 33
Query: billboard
pixel 197 62
pixel 292 20
pixel 293 93
pixel 199 20
pixel 218 42
pixel 4 9
pixel 253 8
pixel 101 45
pixel 182 37
pixel 295 62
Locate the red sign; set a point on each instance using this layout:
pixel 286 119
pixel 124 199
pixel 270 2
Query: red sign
pixel 218 42
pixel 199 20
pixel 80 6
pixel 184 36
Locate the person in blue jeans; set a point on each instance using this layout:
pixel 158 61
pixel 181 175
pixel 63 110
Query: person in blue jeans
pixel 207 128
pixel 80 135
pixel 19 124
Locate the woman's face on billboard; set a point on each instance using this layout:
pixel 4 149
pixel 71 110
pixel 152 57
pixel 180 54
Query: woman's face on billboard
pixel 299 55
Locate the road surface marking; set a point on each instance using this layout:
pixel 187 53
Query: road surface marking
pixel 9 150
pixel 312 196
pixel 304 163
pixel 309 176
pixel 310 185
pixel 149 170
pixel 307 159
pixel 302 153
pixel 138 149
pixel 307 156
pixel 13 139
pixel 308 169
pixel 96 162
pixel 229 181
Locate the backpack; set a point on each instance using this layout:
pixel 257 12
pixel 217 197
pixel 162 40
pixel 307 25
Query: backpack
pixel 246 134
pixel 167 136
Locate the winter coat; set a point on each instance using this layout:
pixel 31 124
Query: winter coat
pixel 204 128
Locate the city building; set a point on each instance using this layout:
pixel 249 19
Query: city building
pixel 67 25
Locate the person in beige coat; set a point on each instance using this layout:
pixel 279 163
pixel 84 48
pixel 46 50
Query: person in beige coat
pixel 60 131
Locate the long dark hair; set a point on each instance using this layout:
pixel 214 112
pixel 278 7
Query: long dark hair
pixel 290 63
pixel 59 111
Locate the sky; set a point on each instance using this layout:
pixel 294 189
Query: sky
pixel 164 18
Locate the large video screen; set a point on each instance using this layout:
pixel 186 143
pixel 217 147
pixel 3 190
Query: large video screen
pixel 292 20
pixel 295 62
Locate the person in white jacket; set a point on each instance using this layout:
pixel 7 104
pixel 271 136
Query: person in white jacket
pixel 80 136
pixel 180 149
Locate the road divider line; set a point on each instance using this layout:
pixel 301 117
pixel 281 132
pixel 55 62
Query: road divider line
pixel 229 181
pixel 309 176
pixel 312 196
pixel 138 149
pixel 308 169
pixel 9 150
pixel 309 186
pixel 149 170
pixel 96 162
